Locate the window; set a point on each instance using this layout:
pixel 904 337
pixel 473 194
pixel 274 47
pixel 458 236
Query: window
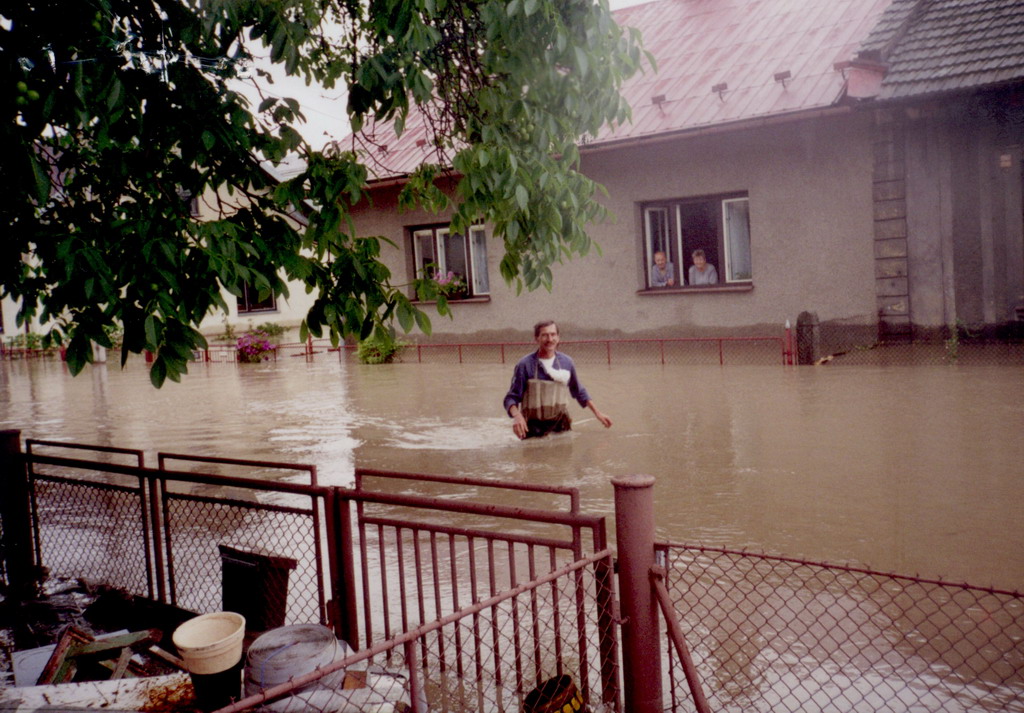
pixel 250 301
pixel 718 226
pixel 438 251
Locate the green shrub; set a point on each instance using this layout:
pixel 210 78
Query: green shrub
pixel 26 341
pixel 228 335
pixel 271 329
pixel 379 350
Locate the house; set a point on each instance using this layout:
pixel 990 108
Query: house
pixel 745 144
pixel 858 159
pixel 944 80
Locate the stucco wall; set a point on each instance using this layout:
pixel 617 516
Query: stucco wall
pixel 809 185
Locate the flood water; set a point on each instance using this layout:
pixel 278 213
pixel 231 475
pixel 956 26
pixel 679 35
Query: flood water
pixel 914 470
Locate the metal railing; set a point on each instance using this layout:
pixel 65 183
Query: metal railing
pixel 676 350
pixel 490 655
pixel 774 633
pixel 164 534
pixel 681 350
pixel 476 614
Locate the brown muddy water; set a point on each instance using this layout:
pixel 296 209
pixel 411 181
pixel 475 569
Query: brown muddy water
pixel 909 469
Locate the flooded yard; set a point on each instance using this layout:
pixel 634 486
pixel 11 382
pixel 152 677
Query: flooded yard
pixel 912 469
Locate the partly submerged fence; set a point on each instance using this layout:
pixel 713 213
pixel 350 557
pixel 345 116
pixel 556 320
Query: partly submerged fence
pixel 681 350
pixel 457 600
pixel 773 633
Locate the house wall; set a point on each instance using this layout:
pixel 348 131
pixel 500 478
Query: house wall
pixel 965 224
pixel 809 184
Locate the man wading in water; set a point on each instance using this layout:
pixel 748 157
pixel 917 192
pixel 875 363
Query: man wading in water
pixel 538 400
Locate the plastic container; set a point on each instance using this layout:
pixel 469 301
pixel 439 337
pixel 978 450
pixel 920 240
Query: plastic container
pixel 210 643
pixel 255 584
pixel 289 651
pixel 211 647
pixel 555 695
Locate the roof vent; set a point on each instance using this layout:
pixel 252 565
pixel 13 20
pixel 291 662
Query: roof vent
pixel 421 143
pixel 719 89
pixel 783 77
pixel 658 99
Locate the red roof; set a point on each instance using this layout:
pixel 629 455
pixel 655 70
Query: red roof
pixel 702 44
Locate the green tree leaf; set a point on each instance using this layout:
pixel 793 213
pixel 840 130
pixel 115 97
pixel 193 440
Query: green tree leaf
pixel 135 114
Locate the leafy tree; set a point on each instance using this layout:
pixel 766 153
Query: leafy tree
pixel 116 112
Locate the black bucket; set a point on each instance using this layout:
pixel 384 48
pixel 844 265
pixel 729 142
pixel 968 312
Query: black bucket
pixel 216 690
pixel 555 695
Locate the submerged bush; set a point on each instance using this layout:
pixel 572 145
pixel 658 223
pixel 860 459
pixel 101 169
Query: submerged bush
pixel 271 329
pixel 379 350
pixel 254 347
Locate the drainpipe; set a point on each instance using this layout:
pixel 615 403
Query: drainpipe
pixel 634 536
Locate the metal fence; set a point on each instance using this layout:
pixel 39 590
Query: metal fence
pixel 778 634
pixel 475 615
pixel 685 351
pixel 194 540
pixel 491 655
pixel 839 343
pixel 283 553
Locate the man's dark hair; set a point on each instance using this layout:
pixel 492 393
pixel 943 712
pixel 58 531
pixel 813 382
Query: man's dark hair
pixel 540 325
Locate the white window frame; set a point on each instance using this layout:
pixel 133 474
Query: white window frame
pixel 481 284
pixel 477 280
pixel 649 238
pixel 726 237
pixel 728 241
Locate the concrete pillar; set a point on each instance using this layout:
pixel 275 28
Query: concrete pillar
pixel 634 536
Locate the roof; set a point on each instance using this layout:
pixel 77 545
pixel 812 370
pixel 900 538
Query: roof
pixel 745 44
pixel 719 62
pixel 941 46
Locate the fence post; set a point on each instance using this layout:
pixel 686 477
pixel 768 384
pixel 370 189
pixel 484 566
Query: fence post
pixel 344 613
pixel 15 510
pixel 787 346
pixel 634 536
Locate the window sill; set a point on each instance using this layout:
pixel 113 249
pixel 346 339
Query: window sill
pixel 467 300
pixel 702 289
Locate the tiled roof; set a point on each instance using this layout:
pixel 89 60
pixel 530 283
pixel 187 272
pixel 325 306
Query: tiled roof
pixel 700 44
pixel 940 46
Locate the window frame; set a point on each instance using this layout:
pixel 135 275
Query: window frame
pixel 726 239
pixel 250 297
pixel 474 251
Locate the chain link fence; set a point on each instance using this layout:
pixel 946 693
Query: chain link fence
pixel 475 617
pixel 695 351
pixel 838 342
pixel 198 541
pixel 777 634
pixel 525 649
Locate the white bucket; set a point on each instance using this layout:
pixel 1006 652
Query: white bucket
pixel 289 651
pixel 210 643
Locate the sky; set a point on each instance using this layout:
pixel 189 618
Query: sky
pixel 325 109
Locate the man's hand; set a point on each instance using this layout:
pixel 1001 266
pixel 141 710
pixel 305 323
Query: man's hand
pixel 607 422
pixel 518 423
